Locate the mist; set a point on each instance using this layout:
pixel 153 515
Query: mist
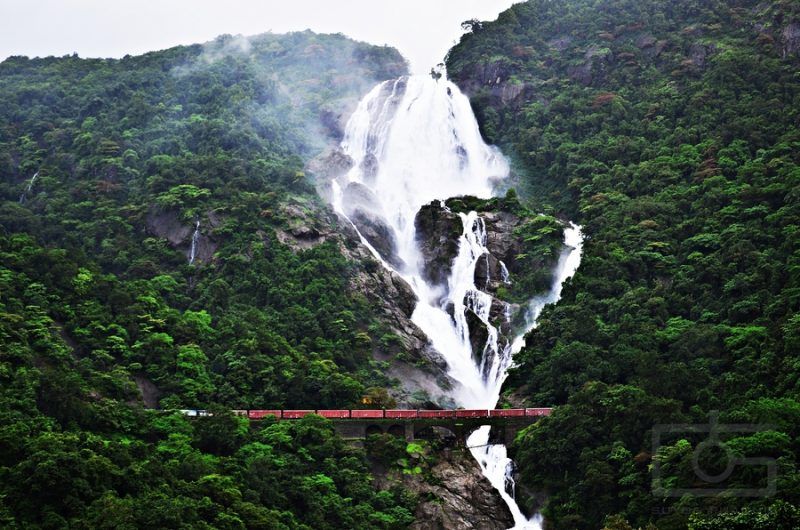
pixel 422 30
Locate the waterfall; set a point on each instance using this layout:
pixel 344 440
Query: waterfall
pixel 415 140
pixel 24 194
pixel 493 459
pixel 195 239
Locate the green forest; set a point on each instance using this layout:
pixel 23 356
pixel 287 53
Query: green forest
pixel 102 317
pixel 162 248
pixel 671 132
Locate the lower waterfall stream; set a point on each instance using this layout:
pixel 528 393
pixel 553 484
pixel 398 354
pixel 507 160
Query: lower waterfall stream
pixel 415 140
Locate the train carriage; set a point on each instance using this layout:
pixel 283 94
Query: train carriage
pixel 437 414
pixel 507 413
pixel 472 413
pixel 534 413
pixel 296 414
pixel 367 413
pixel 259 414
pixel 401 413
pixel 338 414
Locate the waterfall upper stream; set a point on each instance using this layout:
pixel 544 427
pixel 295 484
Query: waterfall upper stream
pixel 412 141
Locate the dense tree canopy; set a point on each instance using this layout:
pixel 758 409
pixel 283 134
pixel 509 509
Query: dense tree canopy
pixel 106 167
pixel 669 130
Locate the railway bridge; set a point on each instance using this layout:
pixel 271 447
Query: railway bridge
pixel 357 424
pixel 504 429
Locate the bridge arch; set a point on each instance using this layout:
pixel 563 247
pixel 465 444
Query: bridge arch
pixel 373 429
pixel 397 429
pixel 446 433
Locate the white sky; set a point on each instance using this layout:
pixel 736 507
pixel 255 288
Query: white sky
pixel 423 30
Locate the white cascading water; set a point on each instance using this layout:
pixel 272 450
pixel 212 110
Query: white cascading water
pixel 195 239
pixel 493 459
pixel 28 188
pixel 415 140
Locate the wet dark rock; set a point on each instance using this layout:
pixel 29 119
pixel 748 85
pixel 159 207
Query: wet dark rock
pixel 698 53
pixel 362 208
pixel 305 228
pixel 331 164
pixel 500 239
pixel 380 235
pixel 332 124
pixel 167 224
pixel 406 299
pixel 305 232
pixel 327 167
pixel 205 248
pixel 488 273
pixel 497 312
pixel 420 371
pixel 790 39
pixel 369 167
pixel 438 230
pixel 359 197
pixel 148 391
pixel 511 92
pixel 478 335
pixel 493 72
pixel 460 497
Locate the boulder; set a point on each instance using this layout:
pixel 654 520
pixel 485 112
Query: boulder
pixel 698 53
pixel 362 208
pixel 327 167
pixel 478 335
pixel 437 232
pixel 460 497
pixel 379 234
pixel 500 239
pixel 488 273
pixel 357 196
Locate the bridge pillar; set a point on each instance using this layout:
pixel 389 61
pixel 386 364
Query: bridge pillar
pixel 409 431
pixel 350 429
pixel 509 432
pixel 461 435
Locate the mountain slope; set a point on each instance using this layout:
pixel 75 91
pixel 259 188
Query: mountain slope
pixel 670 132
pixel 162 247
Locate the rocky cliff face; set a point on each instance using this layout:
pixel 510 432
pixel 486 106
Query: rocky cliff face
pixel 168 225
pixel 419 370
pixel 360 206
pixel 438 230
pixel 455 496
pixel 514 255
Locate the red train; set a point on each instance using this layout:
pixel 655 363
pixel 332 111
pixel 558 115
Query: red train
pixel 386 414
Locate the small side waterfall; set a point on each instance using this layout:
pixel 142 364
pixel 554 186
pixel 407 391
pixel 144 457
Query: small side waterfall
pixel 415 140
pixel 28 188
pixel 195 239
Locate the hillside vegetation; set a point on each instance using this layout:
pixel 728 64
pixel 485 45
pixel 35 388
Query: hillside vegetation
pixel 102 316
pixel 669 130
